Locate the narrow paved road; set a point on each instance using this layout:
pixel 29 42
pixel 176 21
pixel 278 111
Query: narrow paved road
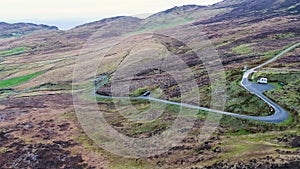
pixel 279 115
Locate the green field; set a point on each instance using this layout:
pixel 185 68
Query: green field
pixel 18 80
pixel 242 49
pixel 15 51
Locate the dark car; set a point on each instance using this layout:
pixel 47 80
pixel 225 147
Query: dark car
pixel 147 93
pixel 281 83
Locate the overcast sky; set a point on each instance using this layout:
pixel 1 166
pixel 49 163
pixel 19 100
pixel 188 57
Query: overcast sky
pixel 68 13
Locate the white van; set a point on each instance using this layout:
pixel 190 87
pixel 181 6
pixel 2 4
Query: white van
pixel 262 80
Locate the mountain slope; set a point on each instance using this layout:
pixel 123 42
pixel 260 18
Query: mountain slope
pixel 18 29
pixel 38 115
pixel 259 9
pixel 182 15
pixel 110 26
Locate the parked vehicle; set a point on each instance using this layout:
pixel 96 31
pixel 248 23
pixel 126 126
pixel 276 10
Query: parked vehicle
pixel 281 83
pixel 147 93
pixel 262 80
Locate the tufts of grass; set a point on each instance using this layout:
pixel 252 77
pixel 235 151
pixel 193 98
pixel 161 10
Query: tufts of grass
pixel 239 132
pixel 138 92
pixel 150 127
pixel 240 100
pixel 276 84
pixel 270 54
pixel 18 80
pixel 15 51
pixel 3 150
pixel 87 142
pixel 279 76
pixel 283 36
pixel 286 96
pixel 242 49
pixel 69 115
pixel 236 149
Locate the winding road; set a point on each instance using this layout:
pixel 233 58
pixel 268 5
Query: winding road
pixel 279 115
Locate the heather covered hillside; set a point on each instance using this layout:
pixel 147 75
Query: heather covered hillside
pixel 39 124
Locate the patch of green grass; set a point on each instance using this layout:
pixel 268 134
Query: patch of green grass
pixel 239 132
pixel 258 137
pixel 2 67
pixel 283 36
pixel 87 142
pixel 287 96
pixel 138 92
pixel 240 100
pixel 202 114
pixel 270 54
pixel 18 80
pixel 100 99
pixel 15 51
pixel 279 76
pixel 149 127
pixel 236 149
pixel 275 84
pixel 142 90
pixel 3 150
pixel 69 115
pixel 173 108
pixel 245 146
pixel 242 49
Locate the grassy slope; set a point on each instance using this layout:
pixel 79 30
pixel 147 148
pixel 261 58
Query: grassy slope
pixel 14 51
pixel 242 49
pixel 18 80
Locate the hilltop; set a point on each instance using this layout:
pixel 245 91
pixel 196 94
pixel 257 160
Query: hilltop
pixel 18 29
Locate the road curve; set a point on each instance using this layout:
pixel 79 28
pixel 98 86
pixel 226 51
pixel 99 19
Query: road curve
pixel 279 115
